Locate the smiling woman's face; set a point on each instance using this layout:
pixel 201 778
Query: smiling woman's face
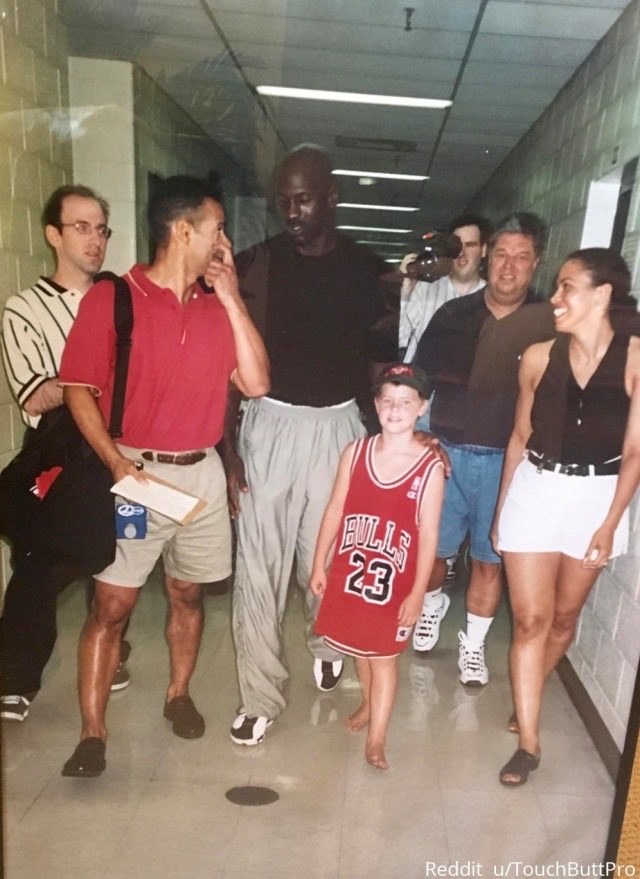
pixel 575 296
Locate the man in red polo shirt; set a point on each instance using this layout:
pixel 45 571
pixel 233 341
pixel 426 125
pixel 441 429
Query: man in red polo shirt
pixel 186 345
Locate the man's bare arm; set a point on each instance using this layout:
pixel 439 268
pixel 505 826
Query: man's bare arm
pixel 45 397
pixel 86 414
pixel 233 463
pixel 251 375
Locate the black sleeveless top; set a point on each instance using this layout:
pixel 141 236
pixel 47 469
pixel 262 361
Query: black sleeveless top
pixel 572 425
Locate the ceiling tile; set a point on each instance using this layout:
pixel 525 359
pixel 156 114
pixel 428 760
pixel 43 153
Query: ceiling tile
pixel 546 20
pixel 524 52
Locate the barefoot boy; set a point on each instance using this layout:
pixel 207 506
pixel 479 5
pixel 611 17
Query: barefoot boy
pixel 381 529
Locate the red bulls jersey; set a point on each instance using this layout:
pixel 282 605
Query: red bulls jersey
pixel 375 557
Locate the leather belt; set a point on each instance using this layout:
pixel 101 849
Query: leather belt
pixel 609 468
pixel 182 458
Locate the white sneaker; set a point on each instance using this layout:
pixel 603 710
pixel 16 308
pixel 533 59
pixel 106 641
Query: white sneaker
pixel 327 674
pixel 14 708
pixel 249 730
pixel 473 670
pixel 427 630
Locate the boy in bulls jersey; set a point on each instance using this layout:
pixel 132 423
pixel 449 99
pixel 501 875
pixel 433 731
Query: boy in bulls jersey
pixel 379 534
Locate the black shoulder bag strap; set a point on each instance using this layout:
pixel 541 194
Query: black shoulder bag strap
pixel 123 322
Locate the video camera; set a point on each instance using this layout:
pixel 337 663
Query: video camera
pixel 436 260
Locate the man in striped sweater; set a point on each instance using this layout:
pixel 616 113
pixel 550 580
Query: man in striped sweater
pixel 35 326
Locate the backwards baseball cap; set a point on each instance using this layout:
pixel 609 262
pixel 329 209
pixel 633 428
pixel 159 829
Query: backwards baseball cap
pixel 403 374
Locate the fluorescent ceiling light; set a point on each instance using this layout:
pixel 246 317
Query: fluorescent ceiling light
pixel 382 175
pixel 381 243
pixel 277 91
pixel 374 207
pixel 375 229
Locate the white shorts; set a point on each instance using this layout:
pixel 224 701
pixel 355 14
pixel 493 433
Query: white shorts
pixel 554 512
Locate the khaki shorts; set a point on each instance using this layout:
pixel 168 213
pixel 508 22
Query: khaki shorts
pixel 199 552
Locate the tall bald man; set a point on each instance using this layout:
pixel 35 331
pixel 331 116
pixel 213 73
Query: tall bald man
pixel 313 294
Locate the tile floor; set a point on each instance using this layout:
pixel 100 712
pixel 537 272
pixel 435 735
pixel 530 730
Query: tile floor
pixel 160 809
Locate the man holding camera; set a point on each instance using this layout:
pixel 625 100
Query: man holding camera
pixel 419 300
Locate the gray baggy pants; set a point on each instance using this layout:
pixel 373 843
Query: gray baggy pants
pixel 290 455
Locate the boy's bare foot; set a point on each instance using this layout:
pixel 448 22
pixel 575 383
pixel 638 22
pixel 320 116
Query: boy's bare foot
pixel 358 719
pixel 375 756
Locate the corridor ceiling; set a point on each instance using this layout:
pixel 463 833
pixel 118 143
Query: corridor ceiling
pixel 501 62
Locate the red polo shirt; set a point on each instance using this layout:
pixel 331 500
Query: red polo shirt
pixel 181 359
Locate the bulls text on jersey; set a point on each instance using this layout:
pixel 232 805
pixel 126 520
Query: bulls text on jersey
pixel 363 531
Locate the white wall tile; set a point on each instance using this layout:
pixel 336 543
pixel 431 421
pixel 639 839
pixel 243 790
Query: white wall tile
pixel 26 178
pixel 612 719
pixel 608 668
pixel 607 603
pixel 31 167
pixel 30 24
pixel 625 691
pixel 8 273
pixel 589 637
pixel 627 634
pixel 5 428
pixel 102 92
pixel 18 65
pixel 626 569
pixel 11 111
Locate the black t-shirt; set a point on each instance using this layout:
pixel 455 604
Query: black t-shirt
pixel 472 360
pixel 314 314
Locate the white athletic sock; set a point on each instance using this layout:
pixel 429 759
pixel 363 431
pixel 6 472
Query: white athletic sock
pixel 477 628
pixel 432 600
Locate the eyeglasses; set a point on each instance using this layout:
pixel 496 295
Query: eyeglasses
pixel 84 228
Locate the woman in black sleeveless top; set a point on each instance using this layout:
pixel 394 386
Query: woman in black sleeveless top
pixel 571 469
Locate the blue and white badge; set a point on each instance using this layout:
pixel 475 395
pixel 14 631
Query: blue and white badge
pixel 131 521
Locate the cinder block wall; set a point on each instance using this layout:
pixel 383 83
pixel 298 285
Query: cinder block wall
pixel 590 129
pixel 120 126
pixel 35 158
pixel 101 100
pixel 168 141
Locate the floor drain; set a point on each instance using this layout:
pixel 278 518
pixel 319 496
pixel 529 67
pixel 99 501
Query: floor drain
pixel 249 795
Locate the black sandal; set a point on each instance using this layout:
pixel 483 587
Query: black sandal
pixel 520 765
pixel 512 724
pixel 88 760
